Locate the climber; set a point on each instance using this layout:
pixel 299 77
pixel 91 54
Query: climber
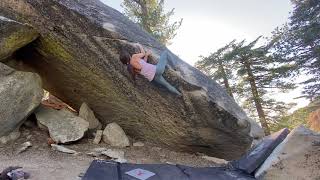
pixel 137 64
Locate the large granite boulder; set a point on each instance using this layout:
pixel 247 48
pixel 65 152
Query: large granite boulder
pixel 297 157
pixel 77 55
pixel 20 94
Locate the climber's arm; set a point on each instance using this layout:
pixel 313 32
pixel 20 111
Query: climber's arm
pixel 148 53
pixel 141 48
pixel 140 55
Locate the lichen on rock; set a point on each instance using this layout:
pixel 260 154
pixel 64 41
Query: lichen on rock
pixel 13 36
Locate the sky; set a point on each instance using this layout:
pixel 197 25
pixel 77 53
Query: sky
pixel 210 24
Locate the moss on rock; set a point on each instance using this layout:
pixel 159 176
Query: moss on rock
pixel 49 47
pixel 15 38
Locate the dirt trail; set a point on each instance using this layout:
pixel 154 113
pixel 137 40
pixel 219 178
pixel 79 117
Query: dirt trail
pixel 46 164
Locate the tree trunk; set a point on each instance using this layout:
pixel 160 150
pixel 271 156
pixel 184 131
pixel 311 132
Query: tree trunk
pixel 225 79
pixel 256 97
pixel 144 10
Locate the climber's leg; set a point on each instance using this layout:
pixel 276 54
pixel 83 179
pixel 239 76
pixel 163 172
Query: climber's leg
pixel 160 67
pixel 160 80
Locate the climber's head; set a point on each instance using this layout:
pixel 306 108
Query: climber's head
pixel 125 56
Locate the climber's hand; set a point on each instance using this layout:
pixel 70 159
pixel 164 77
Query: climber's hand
pixel 141 48
pixel 148 53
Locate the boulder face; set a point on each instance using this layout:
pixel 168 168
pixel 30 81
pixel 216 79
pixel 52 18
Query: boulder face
pixel 77 56
pixel 20 94
pixel 297 157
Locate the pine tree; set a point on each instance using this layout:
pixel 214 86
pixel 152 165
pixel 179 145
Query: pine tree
pixel 247 59
pixel 250 75
pixel 259 78
pixel 217 66
pixel 151 16
pixel 298 44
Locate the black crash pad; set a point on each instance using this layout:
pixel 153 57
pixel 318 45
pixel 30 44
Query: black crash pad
pixel 109 170
pixel 249 162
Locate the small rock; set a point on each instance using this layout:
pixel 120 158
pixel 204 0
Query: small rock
pixel 24 147
pixel 215 160
pixel 94 154
pixel 87 114
pixel 29 137
pixel 81 175
pixel 26 133
pixel 121 160
pixel 156 149
pixel 115 136
pixel 114 154
pixel 11 137
pixel 50 141
pixel 63 149
pixel 138 144
pixel 99 149
pixel 255 142
pixel 163 160
pixel 98 137
pixel 171 163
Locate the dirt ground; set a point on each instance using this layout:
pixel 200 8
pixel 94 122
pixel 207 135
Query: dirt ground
pixel 43 163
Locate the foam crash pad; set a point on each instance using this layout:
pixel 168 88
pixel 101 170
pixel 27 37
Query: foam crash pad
pixel 249 162
pixel 109 170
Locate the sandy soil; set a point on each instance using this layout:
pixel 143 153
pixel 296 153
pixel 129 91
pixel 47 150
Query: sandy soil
pixel 43 163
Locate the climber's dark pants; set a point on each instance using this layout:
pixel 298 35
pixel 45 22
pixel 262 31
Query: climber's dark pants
pixel 160 67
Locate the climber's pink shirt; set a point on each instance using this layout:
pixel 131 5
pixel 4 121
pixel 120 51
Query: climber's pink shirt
pixel 147 70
